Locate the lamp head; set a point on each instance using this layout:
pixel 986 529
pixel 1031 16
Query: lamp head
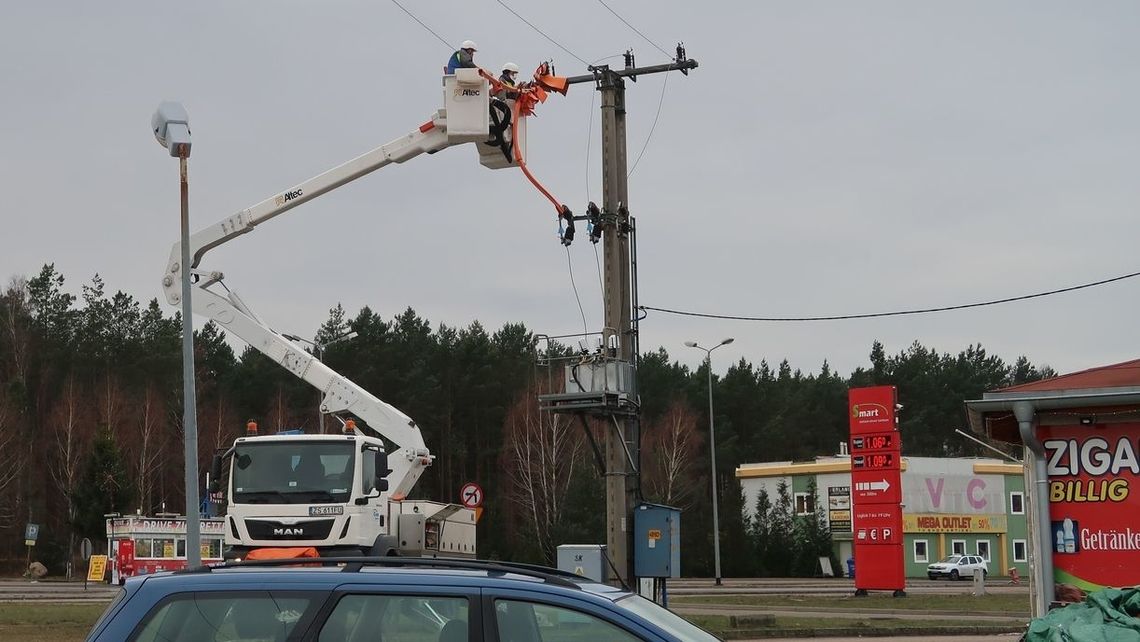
pixel 691 344
pixel 171 127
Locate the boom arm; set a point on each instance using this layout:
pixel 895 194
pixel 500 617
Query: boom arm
pixel 466 98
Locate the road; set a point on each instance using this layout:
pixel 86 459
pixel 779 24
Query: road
pixel 55 592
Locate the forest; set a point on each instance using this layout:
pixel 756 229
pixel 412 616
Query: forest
pixel 91 419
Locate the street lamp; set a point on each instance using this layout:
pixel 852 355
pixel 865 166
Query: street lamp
pixel 712 451
pixel 318 352
pixel 171 126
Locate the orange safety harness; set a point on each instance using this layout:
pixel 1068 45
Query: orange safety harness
pixel 529 96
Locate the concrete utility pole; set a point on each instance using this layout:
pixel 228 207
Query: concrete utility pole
pixel 622 459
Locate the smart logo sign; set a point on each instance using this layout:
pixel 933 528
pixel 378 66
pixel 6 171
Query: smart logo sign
pixel 1094 503
pixel 876 489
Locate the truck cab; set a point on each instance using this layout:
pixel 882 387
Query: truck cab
pixel 329 492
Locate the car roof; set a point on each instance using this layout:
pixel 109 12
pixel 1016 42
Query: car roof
pixel 379 572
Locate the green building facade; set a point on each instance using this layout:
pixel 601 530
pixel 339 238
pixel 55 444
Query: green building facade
pixel 950 505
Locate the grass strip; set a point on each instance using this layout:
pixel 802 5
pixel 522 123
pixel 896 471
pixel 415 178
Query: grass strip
pixel 1016 605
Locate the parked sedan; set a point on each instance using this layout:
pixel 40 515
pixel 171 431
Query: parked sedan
pixel 368 599
pixel 957 567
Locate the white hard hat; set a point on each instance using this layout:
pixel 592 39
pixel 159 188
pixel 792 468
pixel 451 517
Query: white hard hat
pixel 510 66
pixel 468 44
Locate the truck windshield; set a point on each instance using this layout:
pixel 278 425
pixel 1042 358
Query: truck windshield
pixel 293 472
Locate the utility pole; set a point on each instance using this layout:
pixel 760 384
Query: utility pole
pixel 622 441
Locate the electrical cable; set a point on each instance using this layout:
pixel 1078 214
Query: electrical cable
pixel 873 315
pixel 601 283
pixel 635 29
pixel 661 101
pixel 541 33
pixel 421 22
pixel 570 265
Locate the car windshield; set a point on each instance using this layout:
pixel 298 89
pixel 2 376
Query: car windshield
pixel 953 559
pixel 293 472
pixel 666 619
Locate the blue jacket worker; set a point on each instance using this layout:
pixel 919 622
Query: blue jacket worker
pixel 462 59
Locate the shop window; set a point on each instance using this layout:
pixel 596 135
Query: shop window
pixel 1019 551
pixel 212 548
pixel 958 546
pixel 143 547
pixel 805 504
pixel 180 543
pixel 164 548
pixel 1017 503
pixel 920 551
pixel 983 549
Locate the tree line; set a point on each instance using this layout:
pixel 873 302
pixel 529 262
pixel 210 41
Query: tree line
pixel 91 418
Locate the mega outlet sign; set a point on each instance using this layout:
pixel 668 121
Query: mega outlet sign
pixel 1094 504
pixel 876 489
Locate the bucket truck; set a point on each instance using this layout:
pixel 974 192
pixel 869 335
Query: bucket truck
pixel 338 493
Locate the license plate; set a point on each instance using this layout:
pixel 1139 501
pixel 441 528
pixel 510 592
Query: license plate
pixel 326 510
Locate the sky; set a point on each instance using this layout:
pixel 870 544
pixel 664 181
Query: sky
pixel 826 158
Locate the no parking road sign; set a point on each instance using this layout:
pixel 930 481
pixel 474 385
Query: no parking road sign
pixel 471 495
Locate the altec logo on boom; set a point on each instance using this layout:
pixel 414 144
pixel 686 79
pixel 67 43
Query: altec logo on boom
pixel 288 196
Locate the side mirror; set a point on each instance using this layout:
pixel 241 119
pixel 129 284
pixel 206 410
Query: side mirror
pixel 216 474
pixel 381 484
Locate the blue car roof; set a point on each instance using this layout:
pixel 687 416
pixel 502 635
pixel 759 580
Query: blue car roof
pixel 328 577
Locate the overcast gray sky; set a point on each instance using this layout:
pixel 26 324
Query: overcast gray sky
pixel 826 158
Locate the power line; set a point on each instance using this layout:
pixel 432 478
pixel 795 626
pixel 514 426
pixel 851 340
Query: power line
pixel 873 315
pixel 541 33
pixel 570 265
pixel 635 29
pixel 430 30
pixel 660 102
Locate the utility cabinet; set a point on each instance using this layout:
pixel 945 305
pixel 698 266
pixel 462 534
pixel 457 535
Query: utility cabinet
pixel 657 541
pixel 587 560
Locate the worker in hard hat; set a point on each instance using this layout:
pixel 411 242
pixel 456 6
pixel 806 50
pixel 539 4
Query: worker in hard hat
pixel 501 111
pixel 464 58
pixel 509 79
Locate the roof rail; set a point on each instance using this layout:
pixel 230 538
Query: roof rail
pixel 355 563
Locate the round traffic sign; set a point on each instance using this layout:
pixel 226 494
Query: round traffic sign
pixel 86 548
pixel 471 495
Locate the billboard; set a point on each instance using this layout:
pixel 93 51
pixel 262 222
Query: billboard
pixel 936 492
pixel 1094 513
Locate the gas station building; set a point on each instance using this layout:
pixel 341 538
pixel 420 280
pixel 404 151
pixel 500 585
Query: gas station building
pixel 949 505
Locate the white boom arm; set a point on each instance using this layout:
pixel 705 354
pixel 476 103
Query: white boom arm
pixel 466 98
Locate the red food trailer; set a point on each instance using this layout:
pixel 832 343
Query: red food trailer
pixel 138 545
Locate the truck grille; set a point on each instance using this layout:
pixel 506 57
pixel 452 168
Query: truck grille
pixel 266 529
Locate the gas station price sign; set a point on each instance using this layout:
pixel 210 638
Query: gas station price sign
pixel 875 461
pixel 883 441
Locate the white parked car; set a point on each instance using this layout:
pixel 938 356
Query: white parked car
pixel 957 567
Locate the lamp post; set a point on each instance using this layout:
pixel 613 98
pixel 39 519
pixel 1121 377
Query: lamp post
pixel 171 126
pixel 318 352
pixel 712 451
